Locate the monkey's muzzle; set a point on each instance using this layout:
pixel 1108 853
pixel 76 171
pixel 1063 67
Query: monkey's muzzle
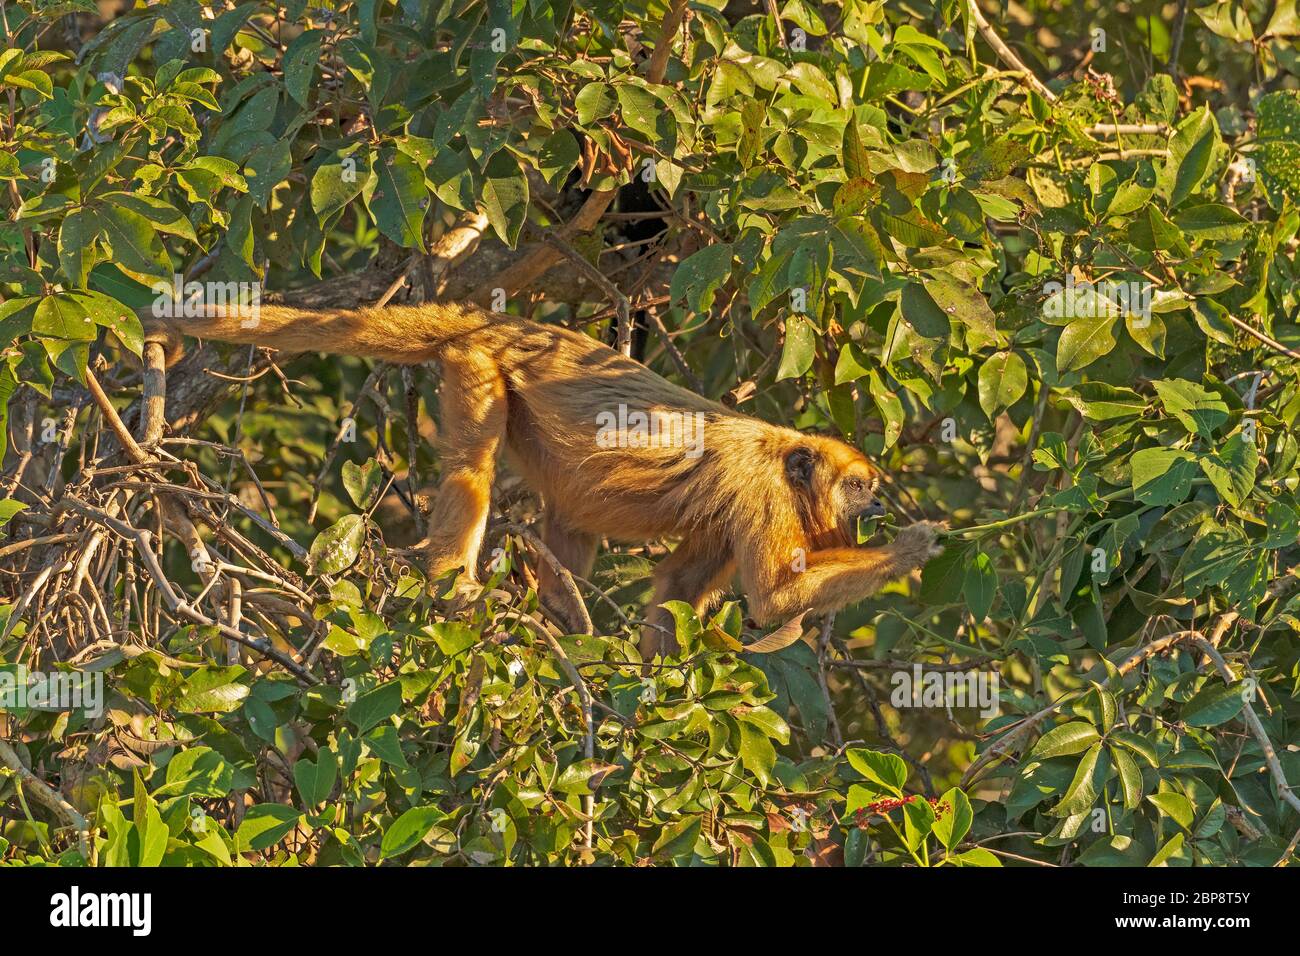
pixel 874 510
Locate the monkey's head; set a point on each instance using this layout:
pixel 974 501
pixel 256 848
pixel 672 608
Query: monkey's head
pixel 834 485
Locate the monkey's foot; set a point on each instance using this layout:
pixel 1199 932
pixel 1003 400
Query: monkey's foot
pixel 654 641
pixel 460 595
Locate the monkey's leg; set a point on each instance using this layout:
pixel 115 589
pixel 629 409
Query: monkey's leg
pixel 694 574
pixel 577 552
pixel 473 404
pixel 835 577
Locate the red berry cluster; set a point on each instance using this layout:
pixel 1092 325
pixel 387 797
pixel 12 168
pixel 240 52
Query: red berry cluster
pixel 882 807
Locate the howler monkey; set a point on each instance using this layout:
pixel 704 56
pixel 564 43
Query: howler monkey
pixel 743 496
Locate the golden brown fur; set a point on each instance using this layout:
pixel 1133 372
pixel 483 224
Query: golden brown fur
pixel 768 503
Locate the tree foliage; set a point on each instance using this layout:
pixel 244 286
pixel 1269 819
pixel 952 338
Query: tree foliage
pixel 1061 315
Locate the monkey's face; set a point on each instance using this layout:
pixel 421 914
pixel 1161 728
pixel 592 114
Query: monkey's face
pixel 835 486
pixel 855 494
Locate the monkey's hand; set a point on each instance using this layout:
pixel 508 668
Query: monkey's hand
pixel 915 544
pixel 836 577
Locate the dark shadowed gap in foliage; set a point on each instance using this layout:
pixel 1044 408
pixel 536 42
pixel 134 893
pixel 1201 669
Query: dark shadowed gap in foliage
pixel 636 196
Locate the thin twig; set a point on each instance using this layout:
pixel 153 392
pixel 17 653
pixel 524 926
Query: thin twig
pixel 1271 343
pixel 823 648
pixel 114 420
pixel 1006 54
pixel 560 571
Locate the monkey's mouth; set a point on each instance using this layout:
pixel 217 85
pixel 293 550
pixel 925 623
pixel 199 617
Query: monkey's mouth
pixel 855 524
pixel 874 510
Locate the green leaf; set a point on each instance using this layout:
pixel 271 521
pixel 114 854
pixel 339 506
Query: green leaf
pixel 1084 340
pixel 385 744
pixel 967 305
pixel 316 780
pixel 1190 151
pixel 943 579
pixel 1138 745
pixel 76 238
pixel 16 317
pixel 1071 738
pixel 918 822
pixel 266 167
pixel 1172 849
pixel 980 586
pixel 213 690
pixel 595 101
pixel 887 770
pixel 799 349
pixel 953 818
pixel 63 317
pixel 505 196
pixel 111 314
pixel 1162 476
pixel 645 113
pixel 913 230
pixel 397 198
pixel 1101 708
pixel 1214 704
pixel 299 63
pixel 197 772
pixel 266 824
pixel 857 162
pixel 151 830
pixel 584 776
pixel 1199 410
pixel 1003 378
pixel 1147 331
pixel 1231 469
pixel 363 482
pixel 9 508
pixel 757 755
pixel 677 839
pixel 557 157
pixel 1215 555
pixel 1211 222
pixel 1099 402
pixel 408 830
pixel 1277 116
pixel 1227 19
pixel 1130 777
pixel 375 706
pixel 36 80
pixel 699 276
pixel 337 183
pixel 162 215
pixel 336 548
pixel 976 856
pixel 1175 806
pixel 1283 521
pixel 889 405
pixel 133 244
pixel 1089 777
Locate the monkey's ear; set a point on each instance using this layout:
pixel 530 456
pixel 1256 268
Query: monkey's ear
pixel 799 465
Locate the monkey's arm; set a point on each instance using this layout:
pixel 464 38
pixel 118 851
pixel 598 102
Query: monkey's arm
pixel 836 577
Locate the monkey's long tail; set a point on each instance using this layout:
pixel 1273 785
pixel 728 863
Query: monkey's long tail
pixel 403 335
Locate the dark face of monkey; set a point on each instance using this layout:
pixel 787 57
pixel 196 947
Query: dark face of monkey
pixel 835 486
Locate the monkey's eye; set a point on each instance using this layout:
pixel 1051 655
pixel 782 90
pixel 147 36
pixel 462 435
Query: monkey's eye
pixel 853 484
